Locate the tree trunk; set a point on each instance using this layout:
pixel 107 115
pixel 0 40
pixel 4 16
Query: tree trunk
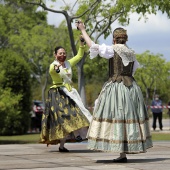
pixel 81 80
pixel 44 86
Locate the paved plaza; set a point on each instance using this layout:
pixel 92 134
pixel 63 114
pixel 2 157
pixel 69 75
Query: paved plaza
pixel 40 157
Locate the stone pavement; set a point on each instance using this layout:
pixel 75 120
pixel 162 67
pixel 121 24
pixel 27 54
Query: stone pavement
pixel 40 157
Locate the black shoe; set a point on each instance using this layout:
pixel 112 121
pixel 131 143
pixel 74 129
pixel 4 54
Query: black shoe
pixel 79 139
pixel 122 160
pixel 63 150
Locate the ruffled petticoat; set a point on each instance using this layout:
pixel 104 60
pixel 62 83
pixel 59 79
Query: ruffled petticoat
pixel 120 121
pixel 64 117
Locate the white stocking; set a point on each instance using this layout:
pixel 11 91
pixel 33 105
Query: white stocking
pixel 122 155
pixel 76 133
pixel 62 142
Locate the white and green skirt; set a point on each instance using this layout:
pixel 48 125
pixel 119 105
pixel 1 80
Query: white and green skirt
pixel 120 120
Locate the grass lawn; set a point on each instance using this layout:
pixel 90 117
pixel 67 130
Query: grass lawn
pixel 20 139
pixel 34 138
pixel 160 136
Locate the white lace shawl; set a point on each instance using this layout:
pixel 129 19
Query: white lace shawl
pixel 127 54
pixel 65 73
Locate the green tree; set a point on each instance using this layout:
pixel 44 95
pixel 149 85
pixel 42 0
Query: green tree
pixel 98 21
pixel 15 93
pixel 10 112
pixel 39 44
pixel 26 32
pixel 153 76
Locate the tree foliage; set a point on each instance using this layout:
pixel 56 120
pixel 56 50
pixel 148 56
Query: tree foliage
pixel 15 94
pixel 35 41
pixel 26 32
pixel 153 76
pixel 10 112
pixel 98 16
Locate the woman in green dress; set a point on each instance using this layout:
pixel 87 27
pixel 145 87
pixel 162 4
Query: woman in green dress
pixel 120 120
pixel 65 117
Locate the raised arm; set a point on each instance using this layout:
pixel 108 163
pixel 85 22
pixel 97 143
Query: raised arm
pixel 73 61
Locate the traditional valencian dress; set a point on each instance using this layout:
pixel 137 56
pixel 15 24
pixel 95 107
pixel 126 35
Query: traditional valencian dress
pixel 120 120
pixel 65 115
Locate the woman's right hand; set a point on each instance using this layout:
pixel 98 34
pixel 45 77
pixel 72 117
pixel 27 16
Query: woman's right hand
pixel 80 25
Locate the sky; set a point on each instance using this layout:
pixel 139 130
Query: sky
pixel 152 35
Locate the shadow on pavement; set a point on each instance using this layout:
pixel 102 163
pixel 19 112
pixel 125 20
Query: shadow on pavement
pixel 76 151
pixel 135 160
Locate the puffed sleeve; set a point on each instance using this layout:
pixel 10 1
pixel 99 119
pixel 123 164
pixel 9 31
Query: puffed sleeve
pixel 102 50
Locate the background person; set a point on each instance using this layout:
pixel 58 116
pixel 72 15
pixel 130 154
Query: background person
pixel 168 109
pixel 32 128
pixel 157 112
pixel 120 121
pixel 169 113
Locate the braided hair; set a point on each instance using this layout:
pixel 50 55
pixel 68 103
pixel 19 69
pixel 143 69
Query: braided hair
pixel 120 35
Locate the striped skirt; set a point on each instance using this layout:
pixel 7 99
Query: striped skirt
pixel 120 120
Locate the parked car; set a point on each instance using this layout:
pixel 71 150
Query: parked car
pixel 38 109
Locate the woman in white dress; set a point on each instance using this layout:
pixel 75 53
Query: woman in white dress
pixel 120 120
